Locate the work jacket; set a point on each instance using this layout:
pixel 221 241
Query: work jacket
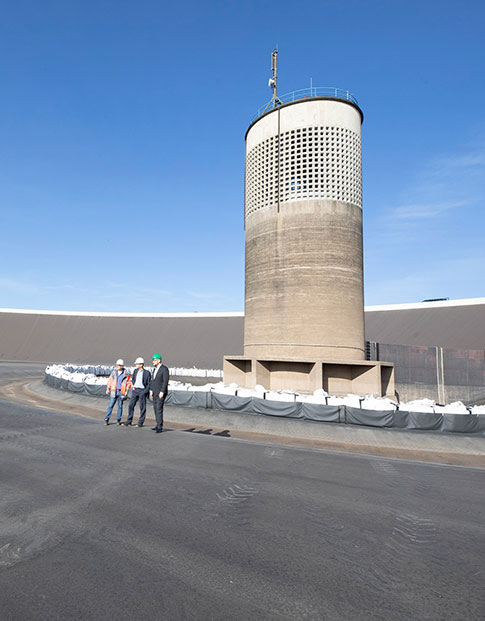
pixel 125 383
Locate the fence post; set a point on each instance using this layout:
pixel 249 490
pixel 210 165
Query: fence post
pixel 440 375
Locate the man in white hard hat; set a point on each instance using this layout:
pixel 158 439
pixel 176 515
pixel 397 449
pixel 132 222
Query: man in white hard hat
pixel 141 386
pixel 118 385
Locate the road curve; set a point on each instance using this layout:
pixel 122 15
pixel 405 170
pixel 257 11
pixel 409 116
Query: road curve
pixel 105 522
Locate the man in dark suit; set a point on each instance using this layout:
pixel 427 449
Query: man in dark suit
pixel 140 388
pixel 158 390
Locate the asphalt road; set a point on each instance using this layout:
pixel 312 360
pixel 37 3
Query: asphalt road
pixel 111 523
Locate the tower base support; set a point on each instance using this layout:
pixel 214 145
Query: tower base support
pixel 336 377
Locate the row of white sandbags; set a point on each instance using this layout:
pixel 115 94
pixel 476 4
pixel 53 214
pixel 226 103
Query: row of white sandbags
pixel 368 402
pixel 59 370
pixel 194 372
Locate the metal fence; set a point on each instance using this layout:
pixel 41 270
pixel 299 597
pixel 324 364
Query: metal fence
pixel 444 375
pixel 307 93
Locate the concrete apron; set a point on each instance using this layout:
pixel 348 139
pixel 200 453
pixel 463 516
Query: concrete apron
pixel 403 444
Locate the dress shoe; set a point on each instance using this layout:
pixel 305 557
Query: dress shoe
pixel 154 428
pixel 159 431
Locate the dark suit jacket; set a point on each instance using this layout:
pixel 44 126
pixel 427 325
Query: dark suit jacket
pixel 160 382
pixel 147 378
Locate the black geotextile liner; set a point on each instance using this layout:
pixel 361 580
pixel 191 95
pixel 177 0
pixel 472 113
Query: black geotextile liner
pixel 231 403
pixel 427 421
pixel 323 413
pixel 288 409
pixel 188 399
pixel 94 390
pixel 79 387
pixel 399 419
pixel 56 382
pixel 368 418
pixel 460 424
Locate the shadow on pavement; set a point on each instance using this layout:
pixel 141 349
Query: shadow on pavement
pixel 225 433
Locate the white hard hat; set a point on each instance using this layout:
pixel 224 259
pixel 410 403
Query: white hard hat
pixel 121 362
pixel 139 360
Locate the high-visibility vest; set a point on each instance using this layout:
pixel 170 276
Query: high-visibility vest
pixel 125 383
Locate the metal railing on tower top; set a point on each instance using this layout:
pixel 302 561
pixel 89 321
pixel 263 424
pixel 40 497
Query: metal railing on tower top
pixel 306 93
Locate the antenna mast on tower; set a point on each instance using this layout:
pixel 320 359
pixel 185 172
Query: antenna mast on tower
pixel 273 81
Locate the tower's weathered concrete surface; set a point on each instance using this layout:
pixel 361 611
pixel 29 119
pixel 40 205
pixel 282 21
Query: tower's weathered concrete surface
pixel 304 306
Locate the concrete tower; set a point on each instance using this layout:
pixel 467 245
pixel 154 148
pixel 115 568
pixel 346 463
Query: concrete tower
pixel 303 220
pixel 304 306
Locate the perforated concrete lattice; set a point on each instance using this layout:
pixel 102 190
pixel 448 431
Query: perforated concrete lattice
pixel 305 163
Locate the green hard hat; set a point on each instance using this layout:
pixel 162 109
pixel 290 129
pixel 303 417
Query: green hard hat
pixel 156 356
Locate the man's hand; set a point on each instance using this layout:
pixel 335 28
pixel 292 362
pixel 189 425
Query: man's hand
pixel 160 395
pixel 151 394
pixel 107 391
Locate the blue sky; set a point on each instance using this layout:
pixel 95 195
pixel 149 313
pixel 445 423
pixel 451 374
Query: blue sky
pixel 122 144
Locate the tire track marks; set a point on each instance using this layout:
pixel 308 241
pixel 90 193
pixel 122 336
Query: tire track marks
pixel 237 502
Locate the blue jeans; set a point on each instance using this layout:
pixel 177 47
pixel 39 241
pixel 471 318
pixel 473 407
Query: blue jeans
pixel 111 405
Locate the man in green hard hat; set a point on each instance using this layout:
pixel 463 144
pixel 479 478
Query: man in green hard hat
pixel 158 390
